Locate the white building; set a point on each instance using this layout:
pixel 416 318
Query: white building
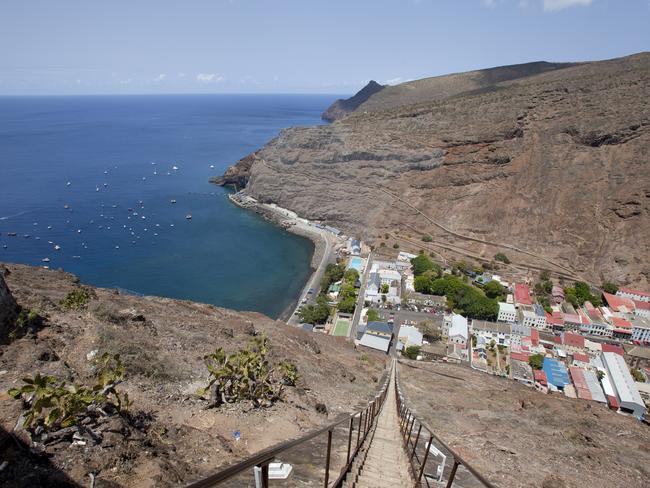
pixel 455 328
pixel 527 317
pixel 619 376
pixel 379 343
pixel 642 309
pixel 641 329
pixel 507 313
pixel 378 280
pixel 409 335
pixel 638 295
pixel 499 332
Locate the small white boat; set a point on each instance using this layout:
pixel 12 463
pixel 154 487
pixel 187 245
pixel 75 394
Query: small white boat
pixel 155 172
pixel 117 247
pixel 66 206
pixel 49 227
pixel 68 184
pixel 97 189
pixel 45 260
pixel 76 257
pixel 188 216
pixel 212 166
pixel 175 168
pixel 173 200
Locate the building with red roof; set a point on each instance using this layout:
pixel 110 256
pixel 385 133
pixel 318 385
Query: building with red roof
pixel 519 356
pixel 621 323
pixel 619 304
pixel 540 377
pixel 534 337
pixel 555 321
pixel 573 342
pixel 642 309
pixel 613 348
pixel 522 294
pixel 642 296
pixel 581 357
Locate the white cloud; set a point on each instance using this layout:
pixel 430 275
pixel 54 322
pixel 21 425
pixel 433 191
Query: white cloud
pixel 209 78
pixel 160 77
pixel 554 5
pixel 392 81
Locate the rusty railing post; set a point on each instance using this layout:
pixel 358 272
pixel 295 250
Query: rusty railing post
pixel 452 475
pixel 424 461
pixel 415 445
pixel 264 475
pixel 359 428
pixel 327 459
pixel 350 439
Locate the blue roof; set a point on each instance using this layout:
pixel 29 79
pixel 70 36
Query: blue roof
pixel 379 327
pixel 556 373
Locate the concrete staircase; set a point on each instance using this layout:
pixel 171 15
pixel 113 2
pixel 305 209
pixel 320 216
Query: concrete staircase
pixel 382 460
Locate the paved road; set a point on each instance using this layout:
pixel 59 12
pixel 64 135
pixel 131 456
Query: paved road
pixel 314 282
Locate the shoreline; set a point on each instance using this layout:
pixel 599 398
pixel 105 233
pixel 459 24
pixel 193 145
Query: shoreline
pixel 290 222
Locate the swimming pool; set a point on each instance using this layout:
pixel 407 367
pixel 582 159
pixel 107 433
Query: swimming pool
pixel 355 263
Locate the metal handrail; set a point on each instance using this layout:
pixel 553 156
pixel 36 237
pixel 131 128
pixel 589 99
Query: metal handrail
pixel 366 416
pixel 407 418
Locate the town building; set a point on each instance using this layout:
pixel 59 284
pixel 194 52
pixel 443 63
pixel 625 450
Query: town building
pixel 423 300
pixel 527 316
pixel 621 305
pixel 382 329
pixel 557 294
pixel 642 309
pixel 629 399
pixel 499 332
pixel 507 313
pixel 638 357
pixel 587 385
pixel 572 343
pixel 641 329
pixel 409 335
pixel 520 370
pixel 454 327
pixel 557 376
pixel 372 341
pixel 641 296
pixel 522 295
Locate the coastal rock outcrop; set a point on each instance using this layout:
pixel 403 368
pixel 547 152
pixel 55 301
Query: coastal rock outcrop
pixel 547 161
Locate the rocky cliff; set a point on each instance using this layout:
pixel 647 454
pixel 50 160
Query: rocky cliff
pixel 8 309
pixel 342 107
pixel 550 166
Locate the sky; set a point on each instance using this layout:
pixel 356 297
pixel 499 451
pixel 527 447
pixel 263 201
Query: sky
pixel 294 46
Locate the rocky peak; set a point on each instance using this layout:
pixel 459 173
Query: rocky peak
pixel 343 107
pixel 8 309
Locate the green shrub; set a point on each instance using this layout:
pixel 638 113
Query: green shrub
pixel 289 372
pixel 53 404
pixel 245 375
pixel 427 238
pixel 76 300
pixel 411 352
pixel 536 361
pixel 501 257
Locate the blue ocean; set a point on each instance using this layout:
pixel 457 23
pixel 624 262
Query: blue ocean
pixel 103 187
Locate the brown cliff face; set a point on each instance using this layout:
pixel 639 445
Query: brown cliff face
pixel 8 309
pixel 555 164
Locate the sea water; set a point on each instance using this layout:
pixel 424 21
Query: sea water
pixel 96 176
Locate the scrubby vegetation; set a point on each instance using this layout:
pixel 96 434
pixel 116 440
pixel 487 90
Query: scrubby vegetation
pixel 580 293
pixel 52 403
pixel 372 315
pixel 462 297
pixel 501 257
pixel 333 273
pixel 609 287
pixel 348 294
pixel 427 238
pixel 247 375
pixel 315 314
pixel 76 300
pixel 411 352
pixel 27 319
pixel 422 263
pixel 536 361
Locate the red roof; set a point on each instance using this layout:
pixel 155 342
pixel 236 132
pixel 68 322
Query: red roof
pixel 540 377
pixel 578 377
pixel 554 319
pixel 621 323
pixel 635 292
pixel 520 356
pixel 578 356
pixel 573 340
pixel 616 302
pixel 613 402
pixel 641 305
pixel 613 348
pixel 557 339
pixel 522 294
pixel 534 337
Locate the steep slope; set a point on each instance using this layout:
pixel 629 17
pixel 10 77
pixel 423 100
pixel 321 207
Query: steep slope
pixel 342 107
pixel 170 436
pixel 441 87
pixel 554 165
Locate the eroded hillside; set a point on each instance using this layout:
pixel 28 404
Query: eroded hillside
pixel 169 436
pixel 555 165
